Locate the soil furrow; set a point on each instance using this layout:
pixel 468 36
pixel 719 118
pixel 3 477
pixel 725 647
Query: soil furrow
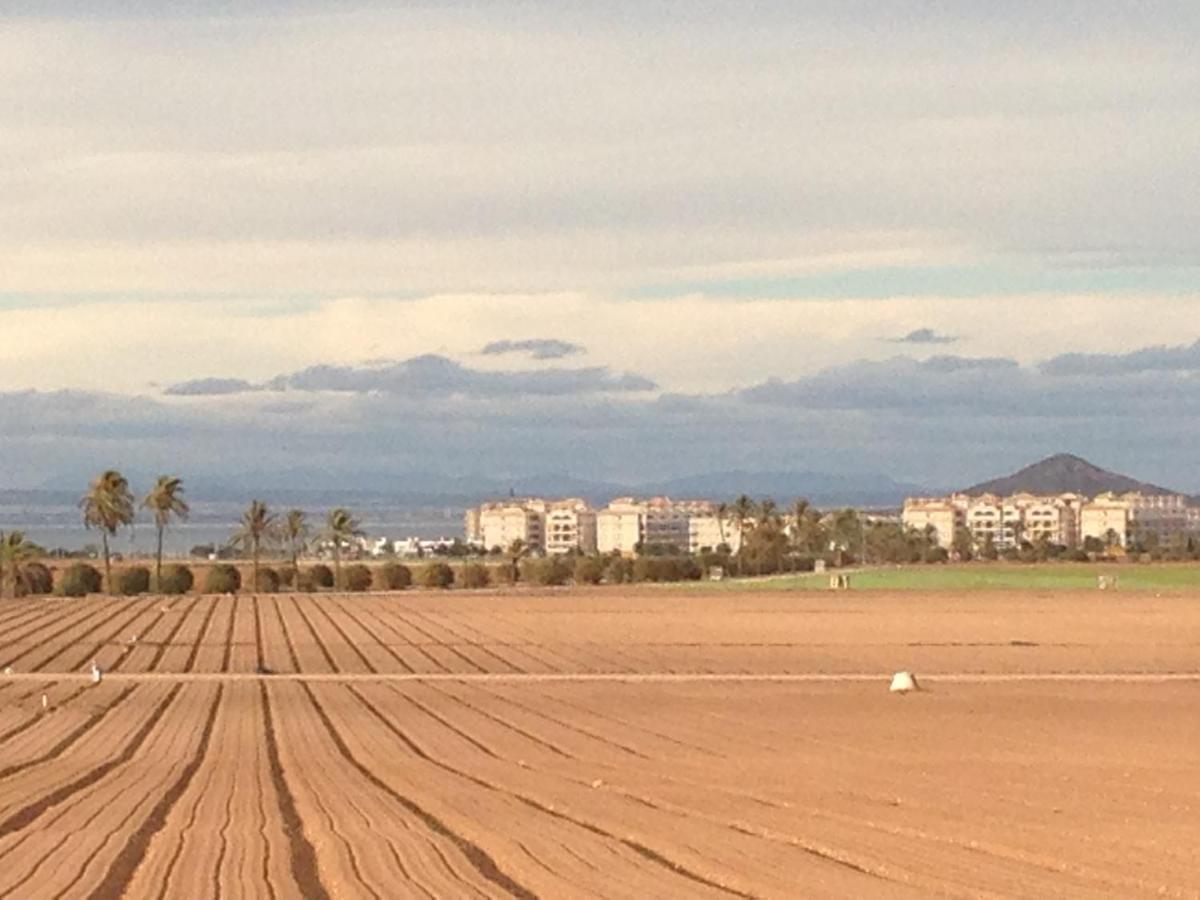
pixel 74 735
pixel 345 637
pixel 303 856
pixel 53 636
pixel 329 660
pixel 386 647
pixel 195 651
pixel 639 848
pixel 25 816
pixel 121 872
pixel 39 714
pixel 479 858
pixel 437 643
pixel 229 638
pixel 165 643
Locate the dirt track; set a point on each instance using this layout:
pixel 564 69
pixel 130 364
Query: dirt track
pixel 599 744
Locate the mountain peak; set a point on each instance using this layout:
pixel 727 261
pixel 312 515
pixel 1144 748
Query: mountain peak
pixel 1065 473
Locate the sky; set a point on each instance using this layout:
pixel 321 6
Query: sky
pixel 623 241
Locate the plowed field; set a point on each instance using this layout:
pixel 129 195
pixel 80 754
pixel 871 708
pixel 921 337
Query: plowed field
pixel 601 743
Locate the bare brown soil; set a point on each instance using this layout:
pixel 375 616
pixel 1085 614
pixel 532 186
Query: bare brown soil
pixel 600 743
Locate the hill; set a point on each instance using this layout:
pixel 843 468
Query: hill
pixel 1065 473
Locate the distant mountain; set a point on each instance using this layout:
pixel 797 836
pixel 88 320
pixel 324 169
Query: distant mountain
pixel 1065 473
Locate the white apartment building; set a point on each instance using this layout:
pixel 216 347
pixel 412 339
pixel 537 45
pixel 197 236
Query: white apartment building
pixel 499 524
pixel 619 527
pixel 570 525
pixel 1054 520
pixel 944 514
pixel 708 532
pixel 1133 517
pixel 688 526
pixel 1063 519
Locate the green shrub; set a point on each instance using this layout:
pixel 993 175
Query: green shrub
pixel 176 579
pixel 268 581
pixel 222 579
pixel 666 568
pixel 34 578
pixel 356 578
pixel 474 575
pixel 395 577
pixel 589 570
pixel 551 571
pixel 133 581
pixel 437 575
pixel 287 576
pixel 618 570
pixel 321 575
pixel 503 574
pixel 80 579
pixel 304 583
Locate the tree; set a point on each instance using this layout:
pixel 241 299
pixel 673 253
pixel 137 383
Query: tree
pixel 341 528
pixel 295 534
pixel 257 528
pixel 15 551
pixel 722 515
pixel 964 543
pixel 743 511
pixel 516 551
pixel 108 505
pixel 164 501
pixel 846 531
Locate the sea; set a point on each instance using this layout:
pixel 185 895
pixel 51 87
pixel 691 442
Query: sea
pixel 52 519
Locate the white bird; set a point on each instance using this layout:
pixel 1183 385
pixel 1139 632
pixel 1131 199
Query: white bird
pixel 45 702
pixel 95 673
pixel 8 670
pixel 903 682
pixel 133 638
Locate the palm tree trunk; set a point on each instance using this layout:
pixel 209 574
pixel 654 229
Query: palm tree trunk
pixel 337 565
pixel 254 568
pixel 108 585
pixel 158 562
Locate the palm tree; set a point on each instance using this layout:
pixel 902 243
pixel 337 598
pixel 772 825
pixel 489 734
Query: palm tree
pixel 767 524
pixel 340 529
pixel 257 528
pixel 722 515
pixel 743 511
pixel 295 533
pixel 14 550
pixel 806 533
pixel 107 505
pixel 165 500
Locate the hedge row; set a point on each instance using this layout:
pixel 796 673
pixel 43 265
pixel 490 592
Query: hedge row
pixel 80 579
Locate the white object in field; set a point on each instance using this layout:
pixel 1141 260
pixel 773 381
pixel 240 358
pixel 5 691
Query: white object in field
pixel 903 682
pixel 8 670
pixel 95 674
pixel 45 702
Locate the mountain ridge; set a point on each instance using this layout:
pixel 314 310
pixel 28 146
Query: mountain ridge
pixel 1065 473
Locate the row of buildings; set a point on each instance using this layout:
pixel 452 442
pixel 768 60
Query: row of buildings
pixel 1067 520
pixel 624 526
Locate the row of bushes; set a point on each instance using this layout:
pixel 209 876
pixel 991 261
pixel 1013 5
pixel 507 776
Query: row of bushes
pixel 80 579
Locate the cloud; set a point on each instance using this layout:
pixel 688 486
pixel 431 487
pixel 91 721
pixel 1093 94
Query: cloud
pixel 1183 358
pixel 536 348
pixel 924 336
pixel 210 387
pixel 429 375
pixel 136 158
